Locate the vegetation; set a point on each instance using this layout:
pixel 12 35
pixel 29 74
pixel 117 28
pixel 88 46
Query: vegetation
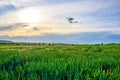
pixel 59 62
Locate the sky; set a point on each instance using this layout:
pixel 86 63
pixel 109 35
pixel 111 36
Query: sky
pixel 60 21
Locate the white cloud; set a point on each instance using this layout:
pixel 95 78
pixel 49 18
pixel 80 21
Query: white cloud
pixel 2 2
pixel 54 17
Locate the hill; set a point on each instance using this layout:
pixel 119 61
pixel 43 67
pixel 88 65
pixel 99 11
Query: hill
pixel 5 41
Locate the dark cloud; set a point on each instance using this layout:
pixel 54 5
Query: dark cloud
pixel 6 28
pixel 41 28
pixel 13 26
pixel 18 25
pixel 36 29
pixel 21 25
pixel 71 20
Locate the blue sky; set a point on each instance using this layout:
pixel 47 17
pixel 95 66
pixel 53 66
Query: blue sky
pixel 94 21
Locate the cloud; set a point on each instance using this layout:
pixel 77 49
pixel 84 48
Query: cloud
pixel 6 8
pixel 21 3
pixel 13 26
pixel 71 20
pixel 77 38
pixel 62 8
pixel 84 11
pixel 5 28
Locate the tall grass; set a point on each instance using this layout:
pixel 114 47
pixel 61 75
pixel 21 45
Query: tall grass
pixel 59 62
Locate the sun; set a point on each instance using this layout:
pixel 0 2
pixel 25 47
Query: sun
pixel 30 15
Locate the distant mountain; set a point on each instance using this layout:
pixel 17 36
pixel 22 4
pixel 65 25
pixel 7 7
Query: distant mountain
pixel 5 41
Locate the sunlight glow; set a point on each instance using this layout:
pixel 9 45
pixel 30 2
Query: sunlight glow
pixel 30 15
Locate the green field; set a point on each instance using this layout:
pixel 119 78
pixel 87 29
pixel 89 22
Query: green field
pixel 59 62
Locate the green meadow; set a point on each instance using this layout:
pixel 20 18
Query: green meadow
pixel 59 62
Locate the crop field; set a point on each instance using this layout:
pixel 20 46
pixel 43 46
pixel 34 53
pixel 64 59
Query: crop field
pixel 59 62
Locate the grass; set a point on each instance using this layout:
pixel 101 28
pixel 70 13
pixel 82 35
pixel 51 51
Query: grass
pixel 59 62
